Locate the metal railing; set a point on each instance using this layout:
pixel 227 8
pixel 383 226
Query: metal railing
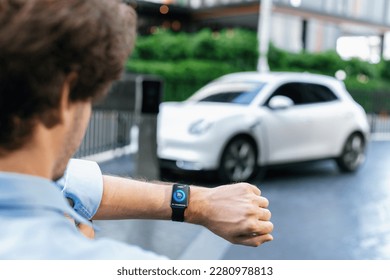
pixel 380 124
pixel 377 106
pixel 125 107
pixel 107 130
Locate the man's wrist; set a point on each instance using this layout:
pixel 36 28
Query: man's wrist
pixel 196 210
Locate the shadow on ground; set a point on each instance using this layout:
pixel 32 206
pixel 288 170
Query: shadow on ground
pixel 266 174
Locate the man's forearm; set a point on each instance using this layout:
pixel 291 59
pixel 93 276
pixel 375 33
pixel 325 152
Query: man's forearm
pixel 235 212
pixel 124 198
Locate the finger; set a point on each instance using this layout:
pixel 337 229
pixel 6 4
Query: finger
pixel 264 202
pixel 87 231
pixel 248 187
pixel 261 201
pixel 264 214
pixel 253 241
pixel 262 227
pixel 256 190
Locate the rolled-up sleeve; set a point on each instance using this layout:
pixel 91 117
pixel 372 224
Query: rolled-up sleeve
pixel 83 184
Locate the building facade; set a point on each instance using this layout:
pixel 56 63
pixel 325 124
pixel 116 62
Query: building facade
pixel 353 27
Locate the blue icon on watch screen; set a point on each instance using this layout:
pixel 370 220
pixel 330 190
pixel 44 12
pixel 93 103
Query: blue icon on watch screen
pixel 179 195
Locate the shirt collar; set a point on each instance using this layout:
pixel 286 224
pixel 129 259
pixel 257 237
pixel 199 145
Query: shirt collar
pixel 26 191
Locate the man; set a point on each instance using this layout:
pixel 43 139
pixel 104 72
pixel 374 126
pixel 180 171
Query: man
pixel 56 58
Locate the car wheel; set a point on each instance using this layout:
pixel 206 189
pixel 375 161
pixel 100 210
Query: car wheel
pixel 353 155
pixel 238 161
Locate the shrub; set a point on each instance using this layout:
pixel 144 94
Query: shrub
pixel 163 45
pixel 385 69
pixel 236 46
pixel 356 67
pixel 183 78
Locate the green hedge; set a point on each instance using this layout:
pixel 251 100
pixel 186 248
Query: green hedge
pixel 187 61
pixel 182 78
pixel 236 46
pixel 162 46
pixel 327 63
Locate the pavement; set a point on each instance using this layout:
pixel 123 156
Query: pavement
pixel 318 213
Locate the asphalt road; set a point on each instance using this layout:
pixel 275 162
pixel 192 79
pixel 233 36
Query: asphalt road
pixel 318 213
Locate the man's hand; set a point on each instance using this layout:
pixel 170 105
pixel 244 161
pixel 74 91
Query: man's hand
pixel 237 213
pixel 86 230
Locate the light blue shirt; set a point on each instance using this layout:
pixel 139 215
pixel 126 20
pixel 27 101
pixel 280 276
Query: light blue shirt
pixel 33 223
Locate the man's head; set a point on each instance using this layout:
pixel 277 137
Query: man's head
pixel 48 46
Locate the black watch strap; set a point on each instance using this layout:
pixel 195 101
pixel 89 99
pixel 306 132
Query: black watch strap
pixel 178 214
pixel 179 201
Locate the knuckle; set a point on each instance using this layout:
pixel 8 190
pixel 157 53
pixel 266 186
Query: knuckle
pixel 250 210
pixel 252 227
pixel 251 188
pixel 262 202
pixel 265 202
pixel 265 214
pixel 267 227
pixel 270 227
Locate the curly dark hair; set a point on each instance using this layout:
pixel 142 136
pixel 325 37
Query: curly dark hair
pixel 41 43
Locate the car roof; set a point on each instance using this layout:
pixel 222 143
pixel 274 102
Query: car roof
pixel 271 77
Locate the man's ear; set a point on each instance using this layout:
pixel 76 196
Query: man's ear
pixel 65 103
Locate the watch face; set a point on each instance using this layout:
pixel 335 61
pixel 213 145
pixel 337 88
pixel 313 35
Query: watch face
pixel 180 196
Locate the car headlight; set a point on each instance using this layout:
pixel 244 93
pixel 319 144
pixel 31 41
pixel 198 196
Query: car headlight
pixel 200 127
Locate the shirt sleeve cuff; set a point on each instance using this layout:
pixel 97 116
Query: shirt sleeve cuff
pixel 83 183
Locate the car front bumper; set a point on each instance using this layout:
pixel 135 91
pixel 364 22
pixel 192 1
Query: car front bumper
pixel 192 155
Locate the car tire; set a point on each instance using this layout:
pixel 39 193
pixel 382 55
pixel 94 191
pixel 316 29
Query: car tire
pixel 353 155
pixel 238 161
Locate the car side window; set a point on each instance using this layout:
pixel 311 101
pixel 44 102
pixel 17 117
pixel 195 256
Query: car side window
pixel 305 93
pixel 315 93
pixel 224 97
pixel 290 90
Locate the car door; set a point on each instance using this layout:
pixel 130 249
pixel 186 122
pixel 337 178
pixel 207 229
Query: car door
pixel 307 130
pixel 288 130
pixel 326 114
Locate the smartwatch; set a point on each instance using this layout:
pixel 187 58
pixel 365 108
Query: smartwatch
pixel 179 201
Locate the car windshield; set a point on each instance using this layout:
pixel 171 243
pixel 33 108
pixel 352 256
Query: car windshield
pixel 237 93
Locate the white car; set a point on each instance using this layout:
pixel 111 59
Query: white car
pixel 244 121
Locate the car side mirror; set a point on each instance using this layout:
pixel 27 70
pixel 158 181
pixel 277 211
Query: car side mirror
pixel 280 102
